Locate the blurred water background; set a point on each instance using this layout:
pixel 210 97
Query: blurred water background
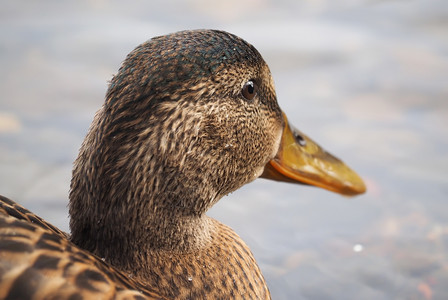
pixel 367 79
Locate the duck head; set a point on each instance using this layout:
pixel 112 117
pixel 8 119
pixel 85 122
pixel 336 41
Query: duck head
pixel 188 118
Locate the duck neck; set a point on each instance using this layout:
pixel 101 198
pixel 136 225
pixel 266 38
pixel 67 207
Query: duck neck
pixel 125 203
pixel 175 233
pixel 120 222
pixel 170 222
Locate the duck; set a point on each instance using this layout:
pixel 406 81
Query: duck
pixel 189 118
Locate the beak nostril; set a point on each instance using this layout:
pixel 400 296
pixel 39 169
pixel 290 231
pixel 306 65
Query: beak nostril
pixel 299 139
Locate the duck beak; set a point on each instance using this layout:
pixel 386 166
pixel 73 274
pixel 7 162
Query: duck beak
pixel 301 160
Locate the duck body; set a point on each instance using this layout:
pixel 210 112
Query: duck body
pixel 50 266
pixel 189 118
pixel 37 261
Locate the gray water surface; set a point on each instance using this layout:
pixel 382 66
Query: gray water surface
pixel 366 79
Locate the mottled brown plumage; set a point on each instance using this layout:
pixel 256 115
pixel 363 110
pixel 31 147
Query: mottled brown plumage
pixel 175 134
pixel 37 261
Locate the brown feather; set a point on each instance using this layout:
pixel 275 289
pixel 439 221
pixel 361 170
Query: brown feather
pixel 174 136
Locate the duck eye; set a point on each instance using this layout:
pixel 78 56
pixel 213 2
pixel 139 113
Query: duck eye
pixel 249 90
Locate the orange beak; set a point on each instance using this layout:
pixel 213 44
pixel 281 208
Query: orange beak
pixel 300 160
